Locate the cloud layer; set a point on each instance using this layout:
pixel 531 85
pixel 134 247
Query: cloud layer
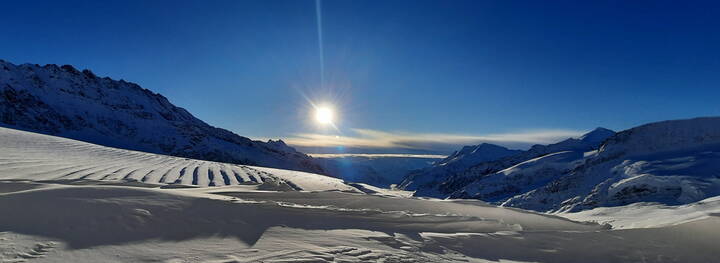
pixel 373 139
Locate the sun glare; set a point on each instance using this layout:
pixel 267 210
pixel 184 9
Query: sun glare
pixel 324 115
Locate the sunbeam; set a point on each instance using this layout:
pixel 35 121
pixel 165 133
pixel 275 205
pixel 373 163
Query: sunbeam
pixel 318 11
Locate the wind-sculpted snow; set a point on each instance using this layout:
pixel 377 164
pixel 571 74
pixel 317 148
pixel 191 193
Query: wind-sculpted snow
pixel 645 215
pixel 33 156
pixel 77 104
pixel 57 222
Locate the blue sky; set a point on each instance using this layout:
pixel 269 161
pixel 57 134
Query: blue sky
pixel 444 70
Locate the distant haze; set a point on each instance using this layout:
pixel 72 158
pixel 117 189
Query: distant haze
pixel 378 155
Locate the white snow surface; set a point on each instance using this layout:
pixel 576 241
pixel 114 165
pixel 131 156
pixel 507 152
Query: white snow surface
pixel 646 215
pixel 55 222
pixel 63 200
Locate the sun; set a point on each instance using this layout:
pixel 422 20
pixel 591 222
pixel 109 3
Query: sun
pixel 324 115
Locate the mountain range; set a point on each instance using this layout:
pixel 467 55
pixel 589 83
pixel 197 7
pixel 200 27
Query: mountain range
pixel 670 162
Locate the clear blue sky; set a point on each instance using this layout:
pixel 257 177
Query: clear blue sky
pixel 404 67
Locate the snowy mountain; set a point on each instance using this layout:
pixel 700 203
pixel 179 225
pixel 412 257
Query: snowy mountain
pixel 80 105
pixel 469 155
pixel 447 180
pixel 670 162
pixel 424 180
pixel 520 178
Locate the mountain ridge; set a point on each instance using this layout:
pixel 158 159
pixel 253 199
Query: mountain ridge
pixel 64 101
pixel 453 180
pixel 671 162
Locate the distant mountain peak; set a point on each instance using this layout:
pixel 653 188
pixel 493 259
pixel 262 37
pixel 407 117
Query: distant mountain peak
pixel 597 136
pixel 600 129
pixel 490 146
pixel 483 151
pixel 480 149
pixel 476 161
pixel 670 162
pixel 458 161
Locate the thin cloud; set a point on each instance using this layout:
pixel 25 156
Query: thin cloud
pixel 377 155
pixel 366 138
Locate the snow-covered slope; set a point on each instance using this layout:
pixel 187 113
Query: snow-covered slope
pixel 470 155
pixel 666 136
pixel 33 156
pixel 468 180
pixel 671 162
pixel 80 105
pixel 51 222
pixel 425 180
pixel 646 215
pixel 520 178
pixel 63 200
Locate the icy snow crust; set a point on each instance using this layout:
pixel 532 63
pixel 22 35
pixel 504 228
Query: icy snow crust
pixel 68 201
